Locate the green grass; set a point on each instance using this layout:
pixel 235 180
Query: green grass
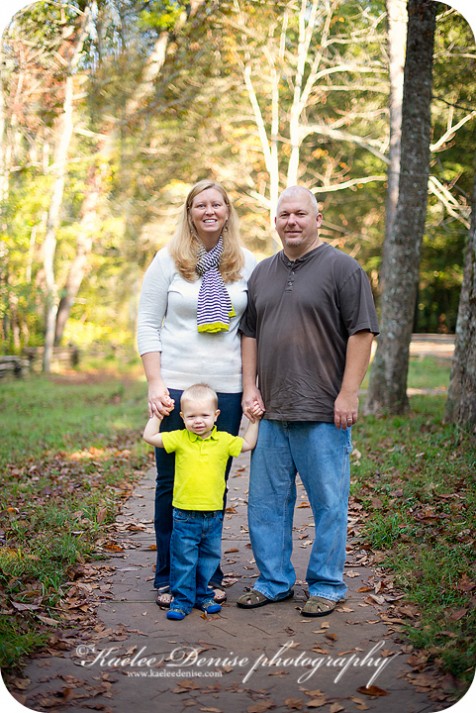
pixel 428 373
pixel 416 482
pixel 425 373
pixel 68 451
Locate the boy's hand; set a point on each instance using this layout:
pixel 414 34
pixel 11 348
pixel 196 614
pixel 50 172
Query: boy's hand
pixel 255 411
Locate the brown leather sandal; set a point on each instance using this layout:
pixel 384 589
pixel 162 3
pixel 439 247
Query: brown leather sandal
pixel 318 606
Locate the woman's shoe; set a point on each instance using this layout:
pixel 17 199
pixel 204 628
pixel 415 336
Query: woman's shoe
pixel 219 594
pixel 164 597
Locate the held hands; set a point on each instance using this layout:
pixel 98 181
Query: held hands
pixel 252 404
pixel 160 404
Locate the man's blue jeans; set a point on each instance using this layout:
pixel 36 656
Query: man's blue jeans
pixel 228 420
pixel 320 452
pixel 195 552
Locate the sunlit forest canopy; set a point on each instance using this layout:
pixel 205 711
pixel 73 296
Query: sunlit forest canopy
pixel 112 109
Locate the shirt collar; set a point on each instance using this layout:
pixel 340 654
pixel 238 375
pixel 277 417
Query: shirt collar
pixel 287 261
pixel 195 437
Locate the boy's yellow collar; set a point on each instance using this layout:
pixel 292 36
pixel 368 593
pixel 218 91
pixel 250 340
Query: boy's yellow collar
pixel 195 437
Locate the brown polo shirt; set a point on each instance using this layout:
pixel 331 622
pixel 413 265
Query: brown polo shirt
pixel 302 313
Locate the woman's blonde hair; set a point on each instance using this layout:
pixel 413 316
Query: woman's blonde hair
pixel 185 244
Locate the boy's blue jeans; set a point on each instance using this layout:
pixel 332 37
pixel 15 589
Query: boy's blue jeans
pixel 195 552
pixel 320 452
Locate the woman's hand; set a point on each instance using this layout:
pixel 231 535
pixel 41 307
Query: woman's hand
pixel 160 404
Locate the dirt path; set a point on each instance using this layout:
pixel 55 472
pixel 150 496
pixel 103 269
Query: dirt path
pixel 272 658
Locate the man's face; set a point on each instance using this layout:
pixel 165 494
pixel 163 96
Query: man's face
pixel 297 224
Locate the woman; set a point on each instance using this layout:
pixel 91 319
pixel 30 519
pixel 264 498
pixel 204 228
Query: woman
pixel 193 296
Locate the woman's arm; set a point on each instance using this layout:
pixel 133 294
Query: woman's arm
pixel 152 309
pixel 159 402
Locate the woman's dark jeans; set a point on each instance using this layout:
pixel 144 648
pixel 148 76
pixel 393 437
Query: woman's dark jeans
pixel 229 420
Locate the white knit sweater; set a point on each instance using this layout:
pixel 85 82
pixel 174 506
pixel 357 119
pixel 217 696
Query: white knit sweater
pixel 167 323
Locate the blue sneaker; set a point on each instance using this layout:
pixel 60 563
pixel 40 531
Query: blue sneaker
pixel 210 607
pixel 176 614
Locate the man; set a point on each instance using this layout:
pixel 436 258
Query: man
pixel 307 335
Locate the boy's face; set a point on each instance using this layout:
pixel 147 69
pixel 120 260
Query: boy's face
pixel 199 416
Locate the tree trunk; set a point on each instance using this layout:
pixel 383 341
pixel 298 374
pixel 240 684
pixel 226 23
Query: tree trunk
pixel 397 29
pixel 461 404
pixel 54 211
pixel 84 243
pixel 401 258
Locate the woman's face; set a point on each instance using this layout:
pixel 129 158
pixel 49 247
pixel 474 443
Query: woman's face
pixel 209 214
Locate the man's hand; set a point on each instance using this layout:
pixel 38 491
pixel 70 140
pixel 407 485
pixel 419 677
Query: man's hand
pixel 252 404
pixel 346 409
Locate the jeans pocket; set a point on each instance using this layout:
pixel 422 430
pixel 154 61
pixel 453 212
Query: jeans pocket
pixel 181 515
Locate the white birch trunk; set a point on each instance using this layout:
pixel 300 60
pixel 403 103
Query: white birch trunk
pixel 54 211
pixel 397 33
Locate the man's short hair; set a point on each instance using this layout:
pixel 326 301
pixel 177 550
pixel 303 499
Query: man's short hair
pixel 293 190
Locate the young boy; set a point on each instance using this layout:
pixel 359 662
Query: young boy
pixel 201 455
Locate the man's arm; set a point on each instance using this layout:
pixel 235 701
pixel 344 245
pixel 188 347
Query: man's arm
pixel 346 406
pixel 151 432
pixel 252 402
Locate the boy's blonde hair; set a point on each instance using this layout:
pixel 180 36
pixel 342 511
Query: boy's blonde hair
pixel 185 243
pixel 199 392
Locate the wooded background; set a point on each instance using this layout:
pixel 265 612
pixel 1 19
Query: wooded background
pixel 111 109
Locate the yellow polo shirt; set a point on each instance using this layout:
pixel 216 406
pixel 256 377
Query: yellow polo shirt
pixel 199 481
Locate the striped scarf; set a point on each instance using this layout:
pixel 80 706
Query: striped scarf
pixel 214 307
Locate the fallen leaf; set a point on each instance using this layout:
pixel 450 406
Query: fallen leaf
pixel 372 691
pixel 101 514
pixel 336 708
pixel 185 686
pixel 359 703
pixel 294 703
pixel 465 584
pixel 25 607
pixel 21 683
pixel 113 547
pixel 261 707
pixel 47 620
pixel 458 614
